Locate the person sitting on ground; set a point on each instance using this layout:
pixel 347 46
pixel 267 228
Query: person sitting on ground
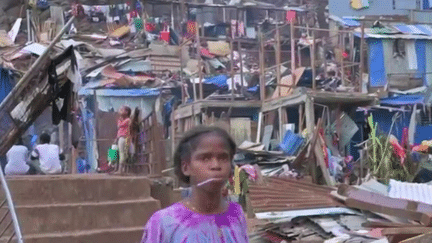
pixel 49 155
pixel 123 136
pixel 202 159
pixel 17 158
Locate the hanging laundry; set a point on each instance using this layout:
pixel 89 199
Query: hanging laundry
pixel 191 29
pixel 359 4
pixel 237 28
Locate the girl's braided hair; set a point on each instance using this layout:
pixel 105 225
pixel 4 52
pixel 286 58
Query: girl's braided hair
pixel 189 143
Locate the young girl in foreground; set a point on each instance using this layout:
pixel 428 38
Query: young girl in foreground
pixel 203 159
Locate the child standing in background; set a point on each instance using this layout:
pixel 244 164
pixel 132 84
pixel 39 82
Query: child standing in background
pixel 202 159
pixel 123 136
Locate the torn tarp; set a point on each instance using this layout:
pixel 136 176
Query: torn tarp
pixel 403 100
pixel 5 83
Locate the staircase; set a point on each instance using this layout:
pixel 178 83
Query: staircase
pixel 81 208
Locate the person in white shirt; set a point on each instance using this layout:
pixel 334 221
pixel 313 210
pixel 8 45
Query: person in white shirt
pixel 49 155
pixel 17 160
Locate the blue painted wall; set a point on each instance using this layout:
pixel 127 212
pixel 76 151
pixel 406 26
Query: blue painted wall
pixel 384 119
pixel 343 8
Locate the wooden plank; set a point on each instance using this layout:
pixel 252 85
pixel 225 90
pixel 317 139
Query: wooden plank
pixel 425 238
pixel 293 62
pixel 278 58
pixel 200 62
pixel 378 203
pixel 313 61
pixel 321 162
pixel 310 116
pixel 268 130
pixel 362 38
pixel 406 230
pixel 261 58
pixel 260 118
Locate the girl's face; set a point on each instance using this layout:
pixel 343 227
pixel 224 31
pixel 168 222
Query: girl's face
pixel 123 112
pixel 211 159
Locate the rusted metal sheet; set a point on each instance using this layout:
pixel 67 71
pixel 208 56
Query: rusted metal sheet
pixel 289 194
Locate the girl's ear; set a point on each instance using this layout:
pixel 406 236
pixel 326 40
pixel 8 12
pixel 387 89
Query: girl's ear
pixel 185 168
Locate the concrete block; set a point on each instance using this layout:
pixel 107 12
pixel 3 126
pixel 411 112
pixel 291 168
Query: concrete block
pixel 34 190
pixel 40 219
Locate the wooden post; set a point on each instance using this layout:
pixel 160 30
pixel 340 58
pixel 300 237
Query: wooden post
pixel 260 118
pixel 200 63
pixel 262 72
pixel 280 124
pixel 232 69
pixel 300 126
pixel 172 16
pixel 240 53
pixel 310 116
pixel 96 120
pixel 241 62
pixel 313 63
pixel 173 131
pixel 342 48
pixel 278 59
pixel 362 57
pixel 293 59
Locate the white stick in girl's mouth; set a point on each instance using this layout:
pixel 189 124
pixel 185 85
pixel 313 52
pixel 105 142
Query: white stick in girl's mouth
pixel 209 180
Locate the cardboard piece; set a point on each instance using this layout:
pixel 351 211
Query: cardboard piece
pixel 287 80
pixel 5 40
pixel 240 129
pixel 120 32
pixel 219 48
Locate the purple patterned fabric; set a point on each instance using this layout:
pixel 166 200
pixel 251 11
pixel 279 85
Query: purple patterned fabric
pixel 178 224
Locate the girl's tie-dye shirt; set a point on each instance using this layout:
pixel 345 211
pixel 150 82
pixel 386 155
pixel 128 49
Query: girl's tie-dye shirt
pixel 178 224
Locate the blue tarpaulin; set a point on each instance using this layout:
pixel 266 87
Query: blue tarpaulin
pixel 5 83
pixel 220 81
pixel 350 22
pixel 377 69
pixel 403 100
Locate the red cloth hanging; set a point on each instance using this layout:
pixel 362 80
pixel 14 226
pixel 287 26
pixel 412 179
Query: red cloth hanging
pixel 165 35
pixel 291 15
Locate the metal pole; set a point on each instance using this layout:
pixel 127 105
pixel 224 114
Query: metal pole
pixel 11 208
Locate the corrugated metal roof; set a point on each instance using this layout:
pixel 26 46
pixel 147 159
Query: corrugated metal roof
pixel 414 29
pixel 289 194
pixel 349 22
pixel 121 92
pixel 411 191
pixel 398 31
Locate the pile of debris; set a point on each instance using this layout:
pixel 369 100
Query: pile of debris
pixel 296 210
